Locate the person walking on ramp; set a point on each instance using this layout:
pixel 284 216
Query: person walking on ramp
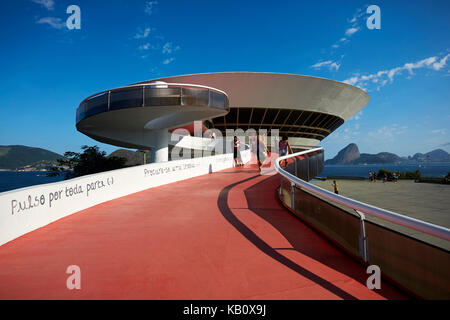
pixel 237 152
pixel 285 148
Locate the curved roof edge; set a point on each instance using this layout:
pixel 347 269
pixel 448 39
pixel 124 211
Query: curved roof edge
pixel 281 90
pixel 257 72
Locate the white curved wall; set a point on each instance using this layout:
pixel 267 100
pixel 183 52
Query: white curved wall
pixel 27 209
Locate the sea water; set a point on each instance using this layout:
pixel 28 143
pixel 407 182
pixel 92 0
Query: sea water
pixel 10 180
pixel 435 169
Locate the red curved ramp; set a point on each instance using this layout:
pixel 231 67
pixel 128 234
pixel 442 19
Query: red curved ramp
pixel 219 236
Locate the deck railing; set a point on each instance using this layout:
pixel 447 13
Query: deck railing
pixel 152 95
pixel 419 267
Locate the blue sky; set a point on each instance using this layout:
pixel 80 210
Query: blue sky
pixel 47 70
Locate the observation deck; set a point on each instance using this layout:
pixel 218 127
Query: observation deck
pixel 219 236
pixel 217 233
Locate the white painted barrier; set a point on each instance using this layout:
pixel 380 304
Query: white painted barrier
pixel 27 209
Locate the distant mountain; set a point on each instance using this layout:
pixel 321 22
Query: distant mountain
pixel 350 155
pixel 437 155
pixel 16 156
pixel 382 157
pixel 346 156
pixel 134 158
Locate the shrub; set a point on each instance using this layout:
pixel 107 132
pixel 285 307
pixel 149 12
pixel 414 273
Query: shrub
pixel 401 175
pixel 413 175
pixel 91 160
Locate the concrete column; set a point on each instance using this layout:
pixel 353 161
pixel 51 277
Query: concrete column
pixel 160 146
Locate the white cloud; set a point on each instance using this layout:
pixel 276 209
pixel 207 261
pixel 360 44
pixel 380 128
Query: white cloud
pixel 357 117
pixel 422 63
pixel 351 31
pixel 149 42
pixel 439 131
pixel 330 64
pixel 391 73
pixel 48 4
pixel 142 34
pixel 168 60
pixel 358 14
pixel 335 66
pixel 352 81
pixel 387 132
pixel 382 77
pixel 384 133
pixel 149 6
pixel 439 65
pixel 168 48
pixel 353 28
pixel 321 64
pixel 145 46
pixel 53 22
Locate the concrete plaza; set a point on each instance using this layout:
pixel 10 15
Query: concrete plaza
pixel 425 201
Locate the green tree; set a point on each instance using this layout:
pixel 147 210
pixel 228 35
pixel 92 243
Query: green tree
pixel 401 175
pixel 90 161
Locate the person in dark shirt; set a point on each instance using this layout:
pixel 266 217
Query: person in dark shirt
pixel 285 147
pixel 237 152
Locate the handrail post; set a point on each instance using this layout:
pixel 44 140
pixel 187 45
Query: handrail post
pixel 363 240
pixel 281 183
pixel 293 196
pixel 181 96
pixel 307 160
pixel 109 99
pixel 295 166
pixel 143 96
pixel 317 166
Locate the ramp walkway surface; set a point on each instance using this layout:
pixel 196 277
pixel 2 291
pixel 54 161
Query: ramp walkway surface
pixel 219 236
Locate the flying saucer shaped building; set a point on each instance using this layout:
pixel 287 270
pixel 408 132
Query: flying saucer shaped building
pixel 306 109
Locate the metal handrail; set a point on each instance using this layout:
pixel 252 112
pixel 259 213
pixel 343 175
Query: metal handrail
pixel 408 222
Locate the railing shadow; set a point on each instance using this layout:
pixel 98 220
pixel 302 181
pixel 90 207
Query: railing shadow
pixel 302 238
pixel 228 214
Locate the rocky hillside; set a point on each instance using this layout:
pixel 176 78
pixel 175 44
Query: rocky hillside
pixel 382 157
pixel 437 155
pixel 16 156
pixel 346 156
pixel 350 155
